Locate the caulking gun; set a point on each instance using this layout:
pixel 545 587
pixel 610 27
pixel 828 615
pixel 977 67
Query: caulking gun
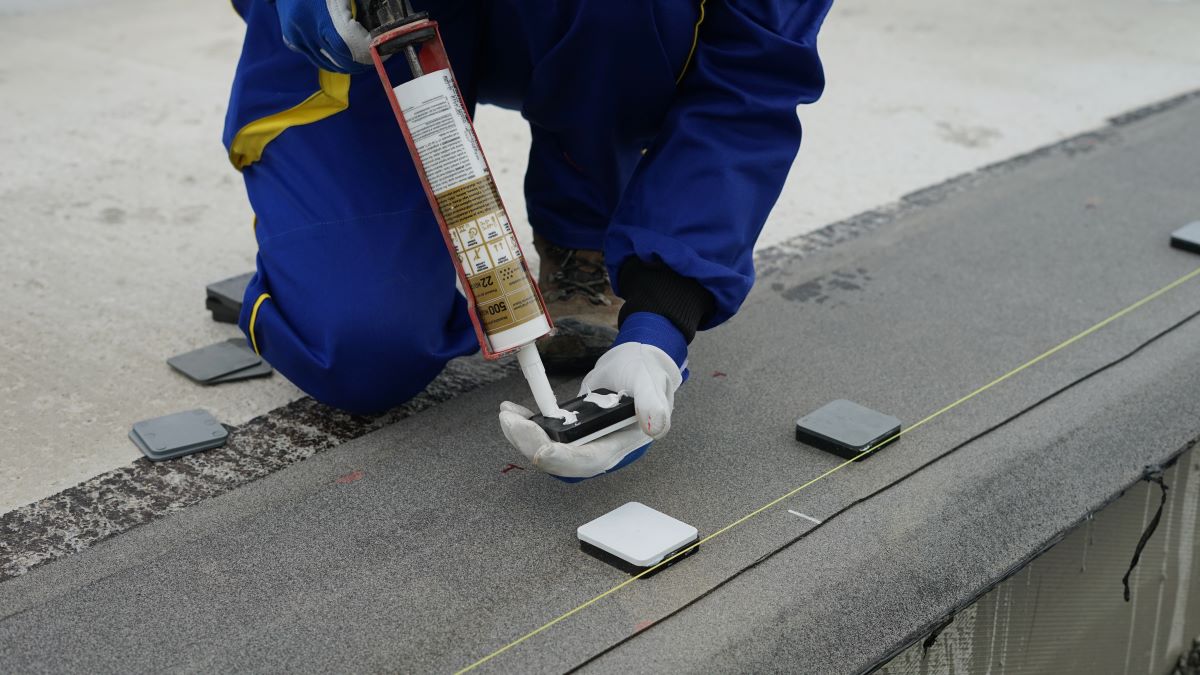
pixel 503 300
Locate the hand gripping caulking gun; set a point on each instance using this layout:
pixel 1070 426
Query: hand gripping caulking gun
pixel 503 299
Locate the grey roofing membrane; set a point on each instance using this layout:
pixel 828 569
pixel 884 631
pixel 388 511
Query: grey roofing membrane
pixel 408 549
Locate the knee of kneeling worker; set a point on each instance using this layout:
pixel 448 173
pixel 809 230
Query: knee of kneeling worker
pixel 365 372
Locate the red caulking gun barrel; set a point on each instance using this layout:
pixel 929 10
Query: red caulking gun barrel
pixel 503 299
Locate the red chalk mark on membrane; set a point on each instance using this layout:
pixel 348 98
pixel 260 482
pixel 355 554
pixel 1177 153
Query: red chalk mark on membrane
pixel 510 467
pixel 642 625
pixel 350 477
pixel 717 373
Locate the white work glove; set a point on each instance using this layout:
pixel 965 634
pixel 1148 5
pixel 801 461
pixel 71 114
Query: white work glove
pixel 326 32
pixel 642 371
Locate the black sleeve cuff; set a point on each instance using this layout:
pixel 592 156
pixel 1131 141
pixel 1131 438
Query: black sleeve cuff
pixel 654 287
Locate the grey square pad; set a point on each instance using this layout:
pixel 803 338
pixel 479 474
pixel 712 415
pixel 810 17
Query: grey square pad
pixel 845 428
pixel 263 368
pixel 220 312
pixel 208 363
pixel 229 292
pixel 1187 237
pixel 178 434
pixel 224 298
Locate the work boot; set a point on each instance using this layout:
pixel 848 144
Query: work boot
pixel 581 302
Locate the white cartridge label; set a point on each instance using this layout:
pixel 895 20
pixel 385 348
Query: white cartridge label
pixel 441 130
pixel 470 206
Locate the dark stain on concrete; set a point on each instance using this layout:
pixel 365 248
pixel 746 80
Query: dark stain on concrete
pixel 804 292
pixel 113 215
pixel 822 289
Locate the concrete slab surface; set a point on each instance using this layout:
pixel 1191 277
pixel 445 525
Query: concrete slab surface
pixel 120 205
pixel 407 550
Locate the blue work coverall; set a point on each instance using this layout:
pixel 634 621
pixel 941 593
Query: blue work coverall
pixel 662 130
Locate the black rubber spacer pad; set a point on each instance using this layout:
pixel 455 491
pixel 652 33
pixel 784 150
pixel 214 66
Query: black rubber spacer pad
pixel 592 418
pixel 1187 238
pixel 845 428
pixel 628 567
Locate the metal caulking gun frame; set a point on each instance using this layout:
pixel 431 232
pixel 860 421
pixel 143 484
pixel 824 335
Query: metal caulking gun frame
pixel 503 300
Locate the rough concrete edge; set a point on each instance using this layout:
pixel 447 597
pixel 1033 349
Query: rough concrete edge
pixel 118 500
pixel 143 491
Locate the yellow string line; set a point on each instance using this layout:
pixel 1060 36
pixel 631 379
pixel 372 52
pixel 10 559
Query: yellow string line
pixel 1037 359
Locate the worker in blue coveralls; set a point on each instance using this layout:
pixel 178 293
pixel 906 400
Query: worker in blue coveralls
pixel 662 132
